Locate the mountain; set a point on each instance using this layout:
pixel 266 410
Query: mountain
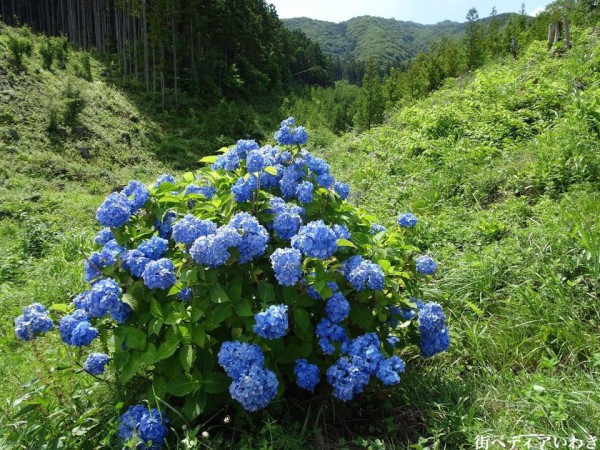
pixel 390 41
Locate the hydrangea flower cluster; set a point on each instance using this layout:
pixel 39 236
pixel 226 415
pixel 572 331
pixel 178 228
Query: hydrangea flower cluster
pixel 432 326
pixel 263 248
pixel 407 220
pixel 316 240
pixel 34 320
pixel 363 274
pixel 95 363
pixel 159 274
pixel 287 264
pixel 307 375
pixel 272 323
pixel 426 265
pixel 147 425
pixel 253 386
pixel 76 330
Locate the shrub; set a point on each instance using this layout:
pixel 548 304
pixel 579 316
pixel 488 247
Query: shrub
pixel 253 275
pixel 19 47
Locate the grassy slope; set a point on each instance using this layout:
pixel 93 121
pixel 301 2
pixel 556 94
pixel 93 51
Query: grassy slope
pixel 503 169
pixel 49 192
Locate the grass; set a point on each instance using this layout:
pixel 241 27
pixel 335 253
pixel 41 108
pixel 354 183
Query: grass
pixel 503 169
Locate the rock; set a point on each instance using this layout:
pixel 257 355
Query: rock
pixel 13 134
pixel 79 131
pixel 84 152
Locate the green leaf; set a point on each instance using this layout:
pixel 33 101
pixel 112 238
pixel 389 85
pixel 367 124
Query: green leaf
pixel 131 301
pixel 345 243
pixel 132 367
pixel 60 307
pixel 235 292
pixel 302 326
pixel 149 355
pixel 361 315
pixel 154 326
pixel 135 338
pixel 182 384
pixel 218 294
pixel 194 405
pixel 198 336
pixel 208 159
pixel 155 309
pixel 266 292
pixel 188 177
pixel 221 312
pixel 158 388
pixel 216 382
pixel 167 348
pixel 243 308
pixel 271 170
pixel 186 357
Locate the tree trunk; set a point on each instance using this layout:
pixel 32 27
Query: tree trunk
pixel 567 33
pixel 145 38
pixel 174 58
pixel 550 35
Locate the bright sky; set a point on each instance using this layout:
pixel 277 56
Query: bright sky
pixel 421 11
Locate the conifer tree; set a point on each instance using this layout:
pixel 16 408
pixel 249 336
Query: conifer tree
pixel 372 102
pixel 474 40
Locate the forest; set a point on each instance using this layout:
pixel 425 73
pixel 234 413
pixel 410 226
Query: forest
pixel 220 231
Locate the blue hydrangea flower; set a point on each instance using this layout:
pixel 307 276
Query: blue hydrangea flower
pixel 318 166
pixel 103 236
pixel 328 331
pixel 159 274
pixel 185 294
pixel 426 265
pixel 135 262
pixel 213 250
pixel 188 229
pixel 147 424
pixel 165 178
pixel 362 274
pixel 325 180
pixel 307 375
pixel 93 266
pixel 95 363
pixel 114 211
pixel 236 358
pixel 244 146
pixel 393 340
pixel 407 220
pixel 272 323
pixel 341 189
pixel 287 224
pixel 255 389
pixel 341 231
pixel 376 228
pixel 432 326
pixel 258 160
pixel 137 194
pixel 207 192
pixel 337 308
pixel 389 370
pixel 165 226
pixel 304 192
pixel 316 240
pixel 288 183
pixel 348 376
pixel 244 188
pixel 268 180
pixel 287 264
pixel 300 136
pixel 34 320
pixel 153 248
pixel 76 330
pixel 254 236
pixel 366 347
pixel 104 297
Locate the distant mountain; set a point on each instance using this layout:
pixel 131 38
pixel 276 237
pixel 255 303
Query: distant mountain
pixel 390 41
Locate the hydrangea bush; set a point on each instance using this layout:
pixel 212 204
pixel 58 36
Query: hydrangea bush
pixel 247 280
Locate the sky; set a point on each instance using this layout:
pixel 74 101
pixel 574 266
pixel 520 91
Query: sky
pixel 421 11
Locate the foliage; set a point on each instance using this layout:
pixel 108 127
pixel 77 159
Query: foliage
pixel 177 301
pixel 371 106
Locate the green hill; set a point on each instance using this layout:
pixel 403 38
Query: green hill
pixel 390 41
pixel 503 170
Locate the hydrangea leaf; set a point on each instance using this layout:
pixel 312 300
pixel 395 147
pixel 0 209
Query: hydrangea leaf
pixel 186 357
pixel 183 384
pixel 215 382
pixel 243 308
pixel 135 338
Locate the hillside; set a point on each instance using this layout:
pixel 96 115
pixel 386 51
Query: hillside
pixel 390 41
pixel 503 170
pixel 501 166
